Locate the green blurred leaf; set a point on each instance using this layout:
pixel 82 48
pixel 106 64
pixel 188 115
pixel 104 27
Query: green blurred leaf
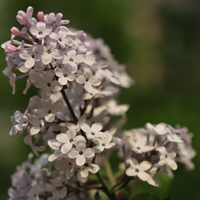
pixel 146 196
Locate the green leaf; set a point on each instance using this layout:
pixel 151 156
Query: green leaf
pixel 146 196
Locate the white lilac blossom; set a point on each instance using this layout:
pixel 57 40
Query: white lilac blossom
pixel 138 169
pixel 83 172
pixel 88 80
pixel 73 58
pixel 94 131
pixel 65 74
pixel 40 30
pixel 60 37
pixel 69 139
pixel 47 84
pixel 50 51
pixel 31 56
pixel 80 153
pixel 77 119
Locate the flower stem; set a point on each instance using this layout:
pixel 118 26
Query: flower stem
pixel 111 196
pixel 69 105
pixel 67 101
pixel 109 171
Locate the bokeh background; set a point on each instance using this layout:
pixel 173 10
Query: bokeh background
pixel 158 41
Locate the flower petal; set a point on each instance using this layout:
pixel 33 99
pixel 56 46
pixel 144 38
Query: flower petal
pixel 85 127
pixel 93 168
pixel 40 26
pixel 73 153
pixel 66 147
pixel 62 138
pixel 89 153
pixel 80 160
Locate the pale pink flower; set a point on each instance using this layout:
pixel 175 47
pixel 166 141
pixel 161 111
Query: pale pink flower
pixel 167 158
pixel 173 137
pixel 73 58
pixel 80 153
pixel 47 84
pixel 94 131
pixel 40 31
pixel 104 143
pixel 50 51
pixel 138 169
pixel 49 109
pixel 37 125
pixel 88 80
pixel 107 74
pixel 83 172
pixel 140 145
pixel 20 122
pixel 55 145
pixel 60 37
pixel 66 164
pixel 69 139
pixel 65 74
pixel 160 129
pixel 31 56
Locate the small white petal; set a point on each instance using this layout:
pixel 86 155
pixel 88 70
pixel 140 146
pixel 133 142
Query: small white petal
pixel 73 153
pixel 93 168
pixel 88 87
pixel 85 127
pixel 66 147
pixel 145 165
pixel 54 36
pixel 89 153
pixel 40 26
pixel 46 58
pixel 143 176
pixel 81 79
pixel 62 138
pixel 80 160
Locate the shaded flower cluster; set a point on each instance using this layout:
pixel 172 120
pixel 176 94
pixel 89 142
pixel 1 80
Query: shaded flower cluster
pixel 156 148
pixel 76 116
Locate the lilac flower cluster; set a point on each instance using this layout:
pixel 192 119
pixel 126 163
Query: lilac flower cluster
pixel 148 151
pixel 74 116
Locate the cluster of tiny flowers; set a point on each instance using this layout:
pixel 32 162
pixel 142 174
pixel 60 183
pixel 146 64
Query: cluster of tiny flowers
pixel 76 115
pixel 148 151
pixel 33 181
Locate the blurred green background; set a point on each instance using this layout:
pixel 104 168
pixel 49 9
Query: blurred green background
pixel 159 41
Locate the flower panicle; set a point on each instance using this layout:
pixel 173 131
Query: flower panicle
pixel 75 116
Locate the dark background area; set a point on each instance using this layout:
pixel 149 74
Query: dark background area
pixel 158 41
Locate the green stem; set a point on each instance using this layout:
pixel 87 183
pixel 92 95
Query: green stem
pixel 122 186
pixel 69 105
pixel 105 188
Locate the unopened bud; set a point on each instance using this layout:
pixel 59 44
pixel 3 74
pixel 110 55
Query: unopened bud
pixel 15 31
pixel 40 16
pixel 22 17
pixel 29 12
pixel 10 48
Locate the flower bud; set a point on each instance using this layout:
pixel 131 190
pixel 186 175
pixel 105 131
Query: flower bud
pixel 40 16
pixel 15 31
pixel 22 17
pixel 29 12
pixel 10 48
